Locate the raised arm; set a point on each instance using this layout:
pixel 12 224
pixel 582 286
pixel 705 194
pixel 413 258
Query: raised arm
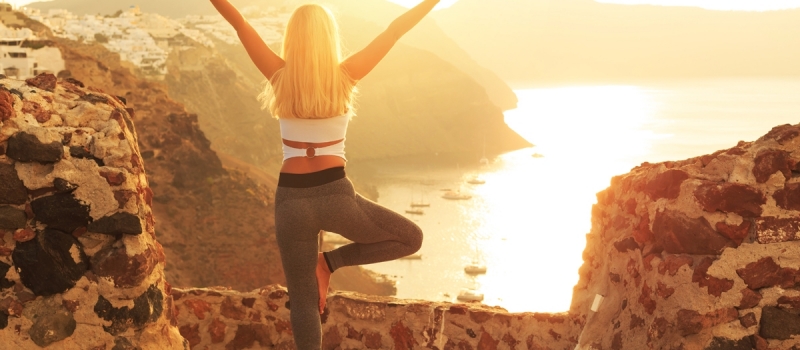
pixel 264 58
pixel 361 63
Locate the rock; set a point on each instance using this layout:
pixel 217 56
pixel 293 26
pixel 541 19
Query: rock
pixel 719 343
pixel 789 197
pixel 51 263
pixel 117 224
pixel 672 263
pixel 770 161
pixel 12 218
pixel 789 302
pixel 3 320
pixel 402 336
pixel 198 306
pixel 730 198
pixel 61 212
pixel 48 329
pixel 692 322
pixel 679 234
pixel 783 133
pixel 113 178
pixel 626 245
pixel 5 283
pixel 40 114
pixel 94 99
pixel 750 299
pixel 773 230
pixel 216 329
pixel 666 185
pixel 44 81
pixel 229 310
pixel 191 332
pixel 716 286
pixel 146 308
pixel 126 271
pixel 25 147
pixel 778 324
pixel 766 273
pixel 121 343
pixel 12 189
pixel 6 105
pixel 247 335
pixel 736 234
pixel 63 186
pixel 748 320
pixel 83 153
pixel 24 235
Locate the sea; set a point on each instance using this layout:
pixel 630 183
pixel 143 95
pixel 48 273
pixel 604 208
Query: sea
pixel 527 222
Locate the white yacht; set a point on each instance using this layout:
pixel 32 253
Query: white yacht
pixel 470 295
pixel 455 195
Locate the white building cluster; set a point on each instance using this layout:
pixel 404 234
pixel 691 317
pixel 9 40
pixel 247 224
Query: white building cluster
pixel 146 39
pixel 22 54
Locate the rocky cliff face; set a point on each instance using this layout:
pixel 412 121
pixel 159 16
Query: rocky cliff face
pixel 698 254
pixel 79 264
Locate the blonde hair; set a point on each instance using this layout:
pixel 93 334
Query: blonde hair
pixel 312 84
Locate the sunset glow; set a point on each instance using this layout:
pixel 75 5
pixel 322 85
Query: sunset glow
pixel 735 5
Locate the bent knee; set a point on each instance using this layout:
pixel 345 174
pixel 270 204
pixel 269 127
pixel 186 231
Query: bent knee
pixel 414 241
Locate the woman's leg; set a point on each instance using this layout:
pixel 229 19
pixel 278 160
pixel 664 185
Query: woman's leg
pixel 379 234
pixel 296 233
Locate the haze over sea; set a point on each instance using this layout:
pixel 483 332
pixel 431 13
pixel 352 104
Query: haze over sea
pixel 527 222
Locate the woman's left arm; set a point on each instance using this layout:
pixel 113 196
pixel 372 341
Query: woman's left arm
pixel 264 58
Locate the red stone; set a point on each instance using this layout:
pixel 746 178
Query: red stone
pixel 510 341
pixel 716 286
pixel 774 230
pixel 277 294
pixel 114 178
pixel 199 307
pixel 402 336
pixel 748 320
pixel 5 251
pixel 230 310
pixel 248 302
pixel 191 333
pixel 642 233
pixel 636 321
pixel 789 302
pixel 332 340
pixel 750 299
pixel 730 198
pixel 766 273
pixel 247 335
pixel 672 263
pixel 646 300
pixel 789 197
pixel 24 235
pixel 666 185
pixel 42 115
pixel 480 316
pixel 663 291
pixel 282 326
pixel 616 341
pixel 770 161
pixel 217 330
pixel 626 245
pixel 6 105
pixel 123 196
pixel 372 340
pixel 692 322
pixel 630 206
pixel 679 234
pixel 71 305
pixel 458 310
pixel 783 133
pixel 657 329
pixel 736 234
pixel 126 271
pixel 761 343
pixel 554 335
pixel 487 342
pixel 44 81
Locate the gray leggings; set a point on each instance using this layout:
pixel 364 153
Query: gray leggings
pixel 379 234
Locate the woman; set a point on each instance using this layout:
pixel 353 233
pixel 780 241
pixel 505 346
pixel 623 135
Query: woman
pixel 310 90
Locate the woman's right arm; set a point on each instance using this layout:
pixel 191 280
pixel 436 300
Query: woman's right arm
pixel 264 58
pixel 361 63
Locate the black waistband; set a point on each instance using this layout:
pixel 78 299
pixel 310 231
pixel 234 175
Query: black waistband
pixel 314 179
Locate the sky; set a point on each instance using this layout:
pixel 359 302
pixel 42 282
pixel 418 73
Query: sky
pixel 747 5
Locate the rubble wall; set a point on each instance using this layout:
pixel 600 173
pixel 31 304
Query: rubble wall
pixel 79 264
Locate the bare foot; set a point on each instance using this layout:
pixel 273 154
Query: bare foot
pixel 323 280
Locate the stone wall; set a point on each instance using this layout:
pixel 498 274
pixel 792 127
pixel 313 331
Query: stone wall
pixel 79 264
pixel 231 320
pixel 698 254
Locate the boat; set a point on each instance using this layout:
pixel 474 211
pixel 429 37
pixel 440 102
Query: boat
pixel 415 211
pixel 415 256
pixel 469 295
pixel 537 155
pixel 476 180
pixel 475 269
pixel 420 205
pixel 455 195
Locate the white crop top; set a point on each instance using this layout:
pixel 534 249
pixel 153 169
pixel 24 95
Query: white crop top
pixel 315 131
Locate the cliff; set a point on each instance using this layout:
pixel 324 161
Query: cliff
pixel 696 254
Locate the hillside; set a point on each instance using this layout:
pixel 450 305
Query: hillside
pixel 578 41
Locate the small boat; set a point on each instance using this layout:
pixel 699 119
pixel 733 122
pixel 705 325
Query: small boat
pixel 476 180
pixel 537 155
pixel 445 189
pixel 455 195
pixel 415 256
pixel 469 295
pixel 415 211
pixel 420 205
pixel 475 269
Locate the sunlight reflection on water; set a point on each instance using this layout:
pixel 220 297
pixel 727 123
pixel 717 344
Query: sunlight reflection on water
pixel 527 222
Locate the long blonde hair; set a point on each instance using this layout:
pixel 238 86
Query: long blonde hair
pixel 312 84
